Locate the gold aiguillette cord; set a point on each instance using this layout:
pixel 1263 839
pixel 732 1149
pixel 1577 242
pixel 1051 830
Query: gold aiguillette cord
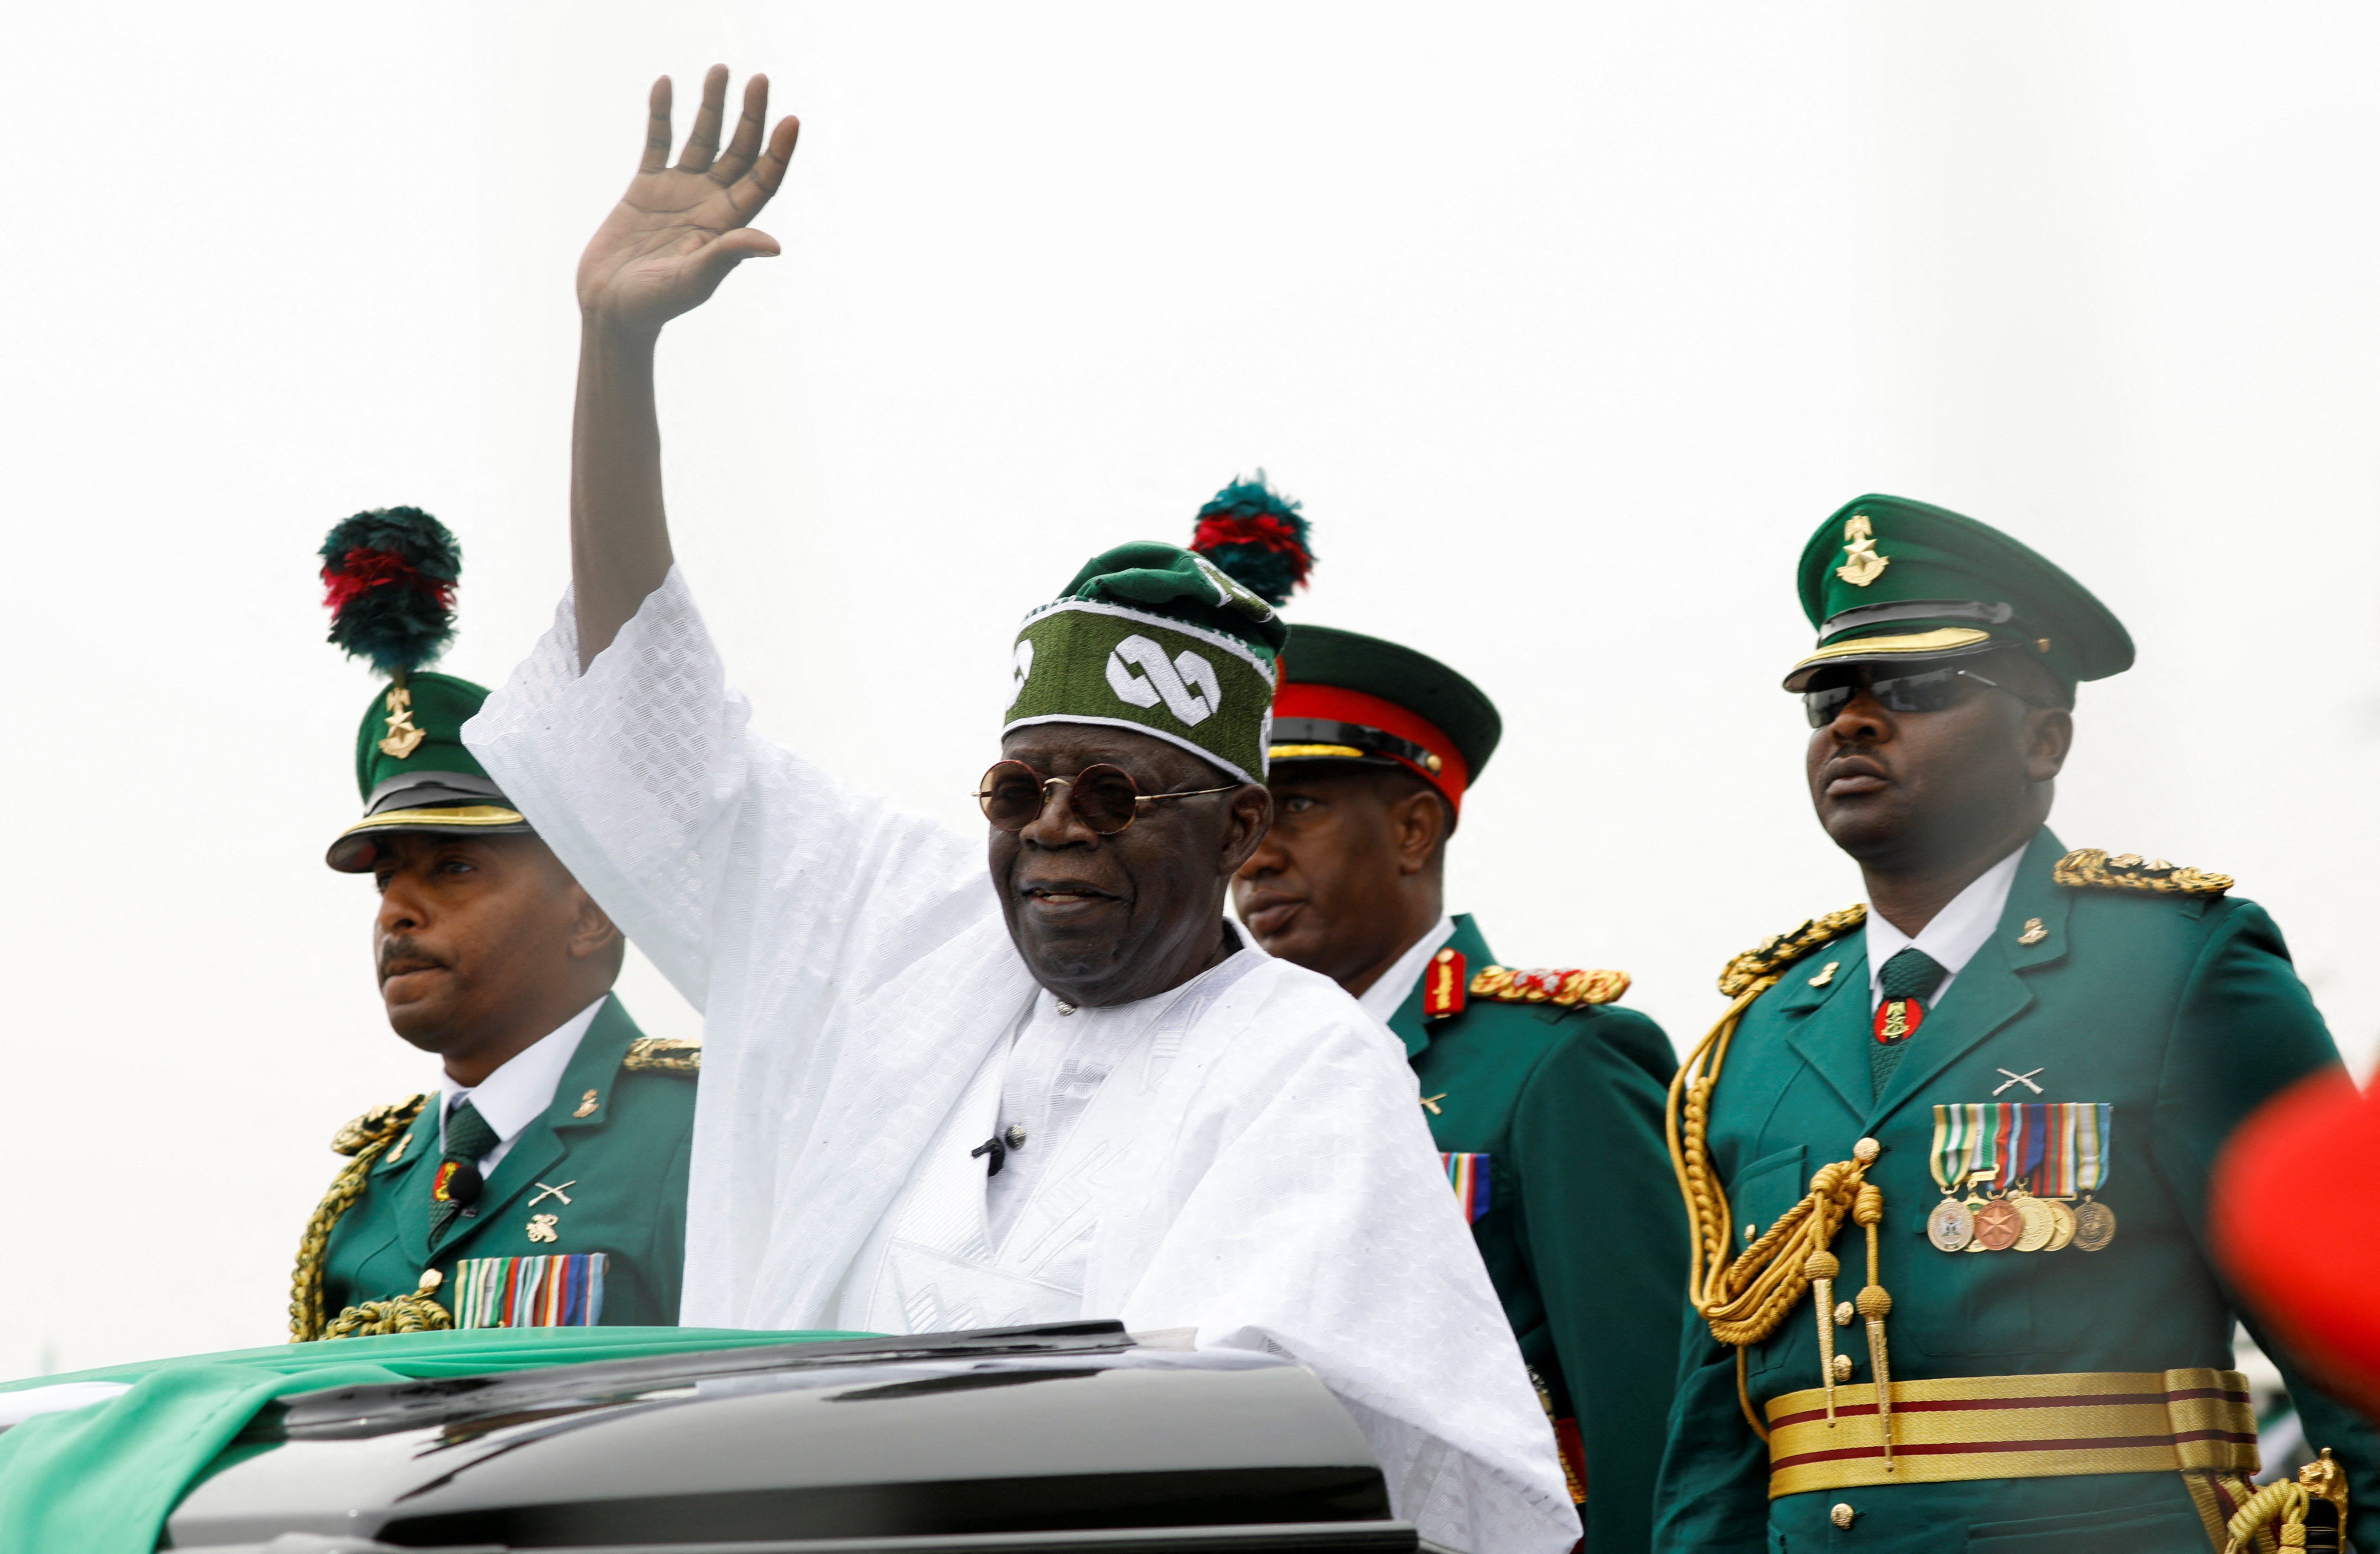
pixel 1746 1299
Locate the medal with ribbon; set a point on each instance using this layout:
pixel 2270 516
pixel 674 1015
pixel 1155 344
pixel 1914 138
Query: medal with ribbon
pixel 1951 1226
pixel 2042 1155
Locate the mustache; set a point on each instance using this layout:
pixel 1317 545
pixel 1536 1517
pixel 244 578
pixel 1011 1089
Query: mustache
pixel 405 947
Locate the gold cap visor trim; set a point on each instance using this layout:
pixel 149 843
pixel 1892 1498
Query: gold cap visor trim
pixel 491 816
pixel 1944 639
pixel 1317 752
pixel 459 815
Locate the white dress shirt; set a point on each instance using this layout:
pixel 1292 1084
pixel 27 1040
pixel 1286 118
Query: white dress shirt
pixel 1387 995
pixel 1954 935
pixel 518 1092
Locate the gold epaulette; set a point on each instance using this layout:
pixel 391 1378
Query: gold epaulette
pixel 2091 869
pixel 663 1054
pixel 1561 985
pixel 379 1123
pixel 1771 955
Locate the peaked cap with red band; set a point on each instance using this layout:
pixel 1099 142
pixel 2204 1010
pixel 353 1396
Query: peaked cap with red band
pixel 1348 696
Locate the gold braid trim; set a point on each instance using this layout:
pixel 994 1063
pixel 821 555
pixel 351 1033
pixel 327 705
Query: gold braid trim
pixel 366 1139
pixel 1769 958
pixel 417 1313
pixel 661 1054
pixel 2091 869
pixel 1562 985
pixel 1747 1298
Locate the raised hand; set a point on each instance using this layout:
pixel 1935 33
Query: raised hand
pixel 678 230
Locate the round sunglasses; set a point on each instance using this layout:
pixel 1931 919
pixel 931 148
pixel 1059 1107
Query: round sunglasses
pixel 1928 692
pixel 1103 798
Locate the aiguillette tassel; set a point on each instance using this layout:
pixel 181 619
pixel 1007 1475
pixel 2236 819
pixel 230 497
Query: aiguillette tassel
pixel 1821 1267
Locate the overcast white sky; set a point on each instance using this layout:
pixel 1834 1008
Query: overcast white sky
pixel 1568 322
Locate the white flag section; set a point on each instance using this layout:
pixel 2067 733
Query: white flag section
pixel 1260 1173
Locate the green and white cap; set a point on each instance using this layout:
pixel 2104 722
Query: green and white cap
pixel 1153 638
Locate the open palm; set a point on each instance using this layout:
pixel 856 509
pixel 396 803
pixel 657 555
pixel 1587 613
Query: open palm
pixel 679 229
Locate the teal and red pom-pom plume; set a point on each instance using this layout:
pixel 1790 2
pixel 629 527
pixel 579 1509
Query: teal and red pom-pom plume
pixel 388 578
pixel 1258 537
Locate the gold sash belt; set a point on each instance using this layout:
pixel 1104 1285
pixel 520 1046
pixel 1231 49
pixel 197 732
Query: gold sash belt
pixel 2014 1426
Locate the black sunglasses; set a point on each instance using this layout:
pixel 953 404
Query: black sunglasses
pixel 1930 691
pixel 1103 798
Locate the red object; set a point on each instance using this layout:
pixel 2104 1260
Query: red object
pixel 1913 1012
pixel 1340 705
pixel 1573 1456
pixel 1262 529
pixel 359 571
pixel 2295 1219
pixel 1443 985
pixel 446 1171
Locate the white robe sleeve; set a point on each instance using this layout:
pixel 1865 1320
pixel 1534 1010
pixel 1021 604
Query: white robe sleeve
pixel 801 918
pixel 642 775
pixel 1312 1221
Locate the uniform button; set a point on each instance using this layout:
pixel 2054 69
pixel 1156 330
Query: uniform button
pixel 1843 1367
pixel 1841 1515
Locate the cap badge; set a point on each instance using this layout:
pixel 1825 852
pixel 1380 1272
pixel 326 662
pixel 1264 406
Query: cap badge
pixel 403 738
pixel 1860 565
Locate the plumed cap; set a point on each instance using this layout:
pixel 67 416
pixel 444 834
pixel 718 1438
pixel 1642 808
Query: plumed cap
pixel 416 774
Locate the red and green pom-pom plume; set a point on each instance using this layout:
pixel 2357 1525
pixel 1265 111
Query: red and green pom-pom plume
pixel 389 578
pixel 1258 537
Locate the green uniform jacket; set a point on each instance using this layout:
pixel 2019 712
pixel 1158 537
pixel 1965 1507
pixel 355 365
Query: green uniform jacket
pixel 624 1162
pixel 1581 1235
pixel 2180 1011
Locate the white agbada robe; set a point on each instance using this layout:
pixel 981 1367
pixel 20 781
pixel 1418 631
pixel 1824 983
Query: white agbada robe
pixel 1250 1160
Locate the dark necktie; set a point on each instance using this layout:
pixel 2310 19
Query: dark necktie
pixel 1909 979
pixel 458 1184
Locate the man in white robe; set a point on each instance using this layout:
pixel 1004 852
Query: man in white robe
pixel 934 1097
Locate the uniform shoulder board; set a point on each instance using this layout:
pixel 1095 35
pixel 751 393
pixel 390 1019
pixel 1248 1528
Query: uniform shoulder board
pixel 382 1122
pixel 661 1054
pixel 1773 956
pixel 2091 869
pixel 1561 985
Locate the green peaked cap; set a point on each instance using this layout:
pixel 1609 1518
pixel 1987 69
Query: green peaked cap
pixel 1151 636
pixel 1889 580
pixel 441 704
pixel 415 773
pixel 1348 696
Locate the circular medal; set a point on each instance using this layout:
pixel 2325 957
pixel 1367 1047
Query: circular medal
pixel 1998 1224
pixel 1950 1227
pixel 2065 1232
pixel 2095 1224
pixel 2039 1225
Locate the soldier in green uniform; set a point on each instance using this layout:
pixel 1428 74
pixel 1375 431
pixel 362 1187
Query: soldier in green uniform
pixel 1544 1096
pixel 545 1185
pixel 1957 1140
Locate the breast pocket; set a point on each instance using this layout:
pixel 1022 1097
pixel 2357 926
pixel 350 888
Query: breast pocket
pixel 1762 1192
